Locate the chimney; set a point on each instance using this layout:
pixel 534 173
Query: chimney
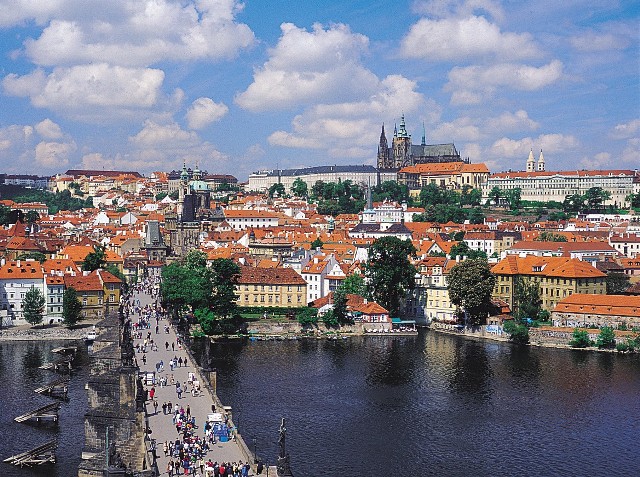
pixel 3 262
pixel 18 263
pixel 457 258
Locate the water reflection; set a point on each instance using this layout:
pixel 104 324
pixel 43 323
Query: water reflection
pixel 389 363
pixel 31 360
pixel 471 370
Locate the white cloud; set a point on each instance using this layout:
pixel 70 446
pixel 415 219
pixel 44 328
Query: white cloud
pixel 598 42
pixel 625 130
pixel 465 38
pixel 159 135
pixel 307 67
pixel 18 12
pixel 349 129
pixel 459 8
pixel 601 160
pixel 473 84
pixel 508 121
pixel 631 154
pixel 204 111
pixel 141 33
pixel 48 129
pixel 461 129
pixel 519 148
pixel 94 86
pixel 53 154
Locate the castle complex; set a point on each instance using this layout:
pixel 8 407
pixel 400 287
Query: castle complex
pixel 403 153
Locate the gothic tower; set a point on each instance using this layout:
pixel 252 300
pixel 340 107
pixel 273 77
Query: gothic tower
pixel 401 146
pixel 183 190
pixel 384 161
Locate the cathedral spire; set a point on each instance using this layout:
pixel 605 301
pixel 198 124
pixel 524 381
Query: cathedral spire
pixel 541 162
pixel 424 135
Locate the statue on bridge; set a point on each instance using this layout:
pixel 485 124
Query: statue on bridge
pixel 283 468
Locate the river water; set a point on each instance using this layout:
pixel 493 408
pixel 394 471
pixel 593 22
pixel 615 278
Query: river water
pixel 19 376
pixel 433 404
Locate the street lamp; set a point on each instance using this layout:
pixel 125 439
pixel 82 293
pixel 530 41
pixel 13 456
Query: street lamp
pixel 255 454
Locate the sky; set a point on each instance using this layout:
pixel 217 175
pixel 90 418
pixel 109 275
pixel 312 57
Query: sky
pixel 235 87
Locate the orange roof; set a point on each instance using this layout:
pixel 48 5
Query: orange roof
pixel 546 267
pixel 21 269
pixel 270 276
pixel 370 308
pixel 618 305
pixel 441 168
pixel 524 175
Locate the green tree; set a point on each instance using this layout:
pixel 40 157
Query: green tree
pixel 329 319
pixel 389 272
pixel 33 306
pixel 317 243
pixel 161 195
pixel 606 339
pixel 32 217
pixel 224 278
pixel 573 203
pixel 550 237
pixel 580 339
pixel 518 332
pixel 595 197
pixel 96 259
pixel 39 256
pixel 461 249
pixel 495 195
pixel 307 316
pixel 299 188
pixel 514 198
pixel 71 307
pixel 634 200
pixel 354 285
pixel 390 190
pixel 617 283
pixel 340 307
pixel 526 299
pixel 470 196
pixel 277 189
pixel 470 285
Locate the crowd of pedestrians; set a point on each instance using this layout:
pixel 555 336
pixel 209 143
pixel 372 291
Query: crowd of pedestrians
pixel 192 450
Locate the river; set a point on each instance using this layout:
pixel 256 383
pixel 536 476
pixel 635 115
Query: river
pixel 433 404
pixel 19 376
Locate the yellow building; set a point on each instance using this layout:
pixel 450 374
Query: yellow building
pixel 446 175
pixel 98 292
pixel 258 287
pixel 558 278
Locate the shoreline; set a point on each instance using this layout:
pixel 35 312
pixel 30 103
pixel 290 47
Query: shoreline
pixel 47 333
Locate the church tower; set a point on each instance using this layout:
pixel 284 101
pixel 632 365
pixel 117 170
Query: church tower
pixel 183 190
pixel 401 146
pixel 384 161
pixel 541 162
pixel 531 163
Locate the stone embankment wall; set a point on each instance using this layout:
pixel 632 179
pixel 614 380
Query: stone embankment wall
pixel 47 333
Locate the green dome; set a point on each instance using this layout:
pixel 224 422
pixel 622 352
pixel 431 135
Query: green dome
pixel 199 185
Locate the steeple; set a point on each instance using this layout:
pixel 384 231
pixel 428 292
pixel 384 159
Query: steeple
pixel 424 136
pixel 184 175
pixel 531 163
pixel 383 151
pixel 196 173
pixel 395 130
pixel 541 162
pixel 403 128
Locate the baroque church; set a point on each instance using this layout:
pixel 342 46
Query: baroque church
pixel 194 212
pixel 403 153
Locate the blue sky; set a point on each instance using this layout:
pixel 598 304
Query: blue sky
pixel 241 86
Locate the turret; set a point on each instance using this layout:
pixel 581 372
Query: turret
pixel 541 162
pixel 531 163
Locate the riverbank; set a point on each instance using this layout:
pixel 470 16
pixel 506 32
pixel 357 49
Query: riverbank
pixel 46 332
pixel 543 337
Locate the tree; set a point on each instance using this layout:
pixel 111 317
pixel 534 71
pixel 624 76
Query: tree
pixel 634 200
pixel 550 237
pixel 595 197
pixel 518 332
pixel 71 307
pixel 32 217
pixel 39 256
pixel 390 190
pixel 470 196
pixel 96 259
pixel 354 285
pixel 606 339
pixel 495 195
pixel 340 308
pixel 617 283
pixel 277 189
pixel 470 285
pixel 224 278
pixel 33 306
pixel 307 316
pixel 317 243
pixel 461 249
pixel 526 299
pixel 389 272
pixel 580 339
pixel 573 203
pixel 299 188
pixel 513 197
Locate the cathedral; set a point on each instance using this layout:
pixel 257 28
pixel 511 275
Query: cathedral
pixel 403 153
pixel 194 213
